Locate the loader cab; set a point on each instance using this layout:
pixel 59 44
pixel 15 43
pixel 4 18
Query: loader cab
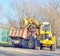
pixel 45 31
pixel 46 38
pixel 45 28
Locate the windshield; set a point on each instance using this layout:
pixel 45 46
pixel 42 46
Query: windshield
pixel 46 27
pixel 46 36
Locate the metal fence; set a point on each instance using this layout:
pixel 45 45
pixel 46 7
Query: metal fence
pixel 4 35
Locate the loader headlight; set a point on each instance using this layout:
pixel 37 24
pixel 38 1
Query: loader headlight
pixel 47 39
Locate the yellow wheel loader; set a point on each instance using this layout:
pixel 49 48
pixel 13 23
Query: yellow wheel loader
pixel 46 38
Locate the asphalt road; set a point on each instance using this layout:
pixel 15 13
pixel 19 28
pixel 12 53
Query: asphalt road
pixel 8 51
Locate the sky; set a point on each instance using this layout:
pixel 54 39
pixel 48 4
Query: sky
pixel 6 4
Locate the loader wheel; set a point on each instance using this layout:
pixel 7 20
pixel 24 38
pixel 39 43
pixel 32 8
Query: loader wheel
pixel 52 47
pixel 37 44
pixel 41 46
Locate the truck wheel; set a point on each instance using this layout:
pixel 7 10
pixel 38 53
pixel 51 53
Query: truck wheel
pixel 52 47
pixel 14 45
pixel 20 43
pixel 31 44
pixel 41 47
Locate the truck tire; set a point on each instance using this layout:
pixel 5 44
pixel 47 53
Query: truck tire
pixel 14 45
pixel 20 44
pixel 31 43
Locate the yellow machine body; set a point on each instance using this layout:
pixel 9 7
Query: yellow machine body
pixel 47 41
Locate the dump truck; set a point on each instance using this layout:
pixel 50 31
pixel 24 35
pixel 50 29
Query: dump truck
pixel 32 34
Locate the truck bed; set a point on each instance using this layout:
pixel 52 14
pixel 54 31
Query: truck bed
pixel 22 33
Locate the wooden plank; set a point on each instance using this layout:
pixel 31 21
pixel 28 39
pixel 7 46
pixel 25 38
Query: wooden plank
pixel 17 33
pixel 11 32
pixel 14 33
pixel 20 32
pixel 24 34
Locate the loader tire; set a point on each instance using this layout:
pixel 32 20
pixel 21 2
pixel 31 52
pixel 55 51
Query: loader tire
pixel 37 44
pixel 41 46
pixel 52 47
